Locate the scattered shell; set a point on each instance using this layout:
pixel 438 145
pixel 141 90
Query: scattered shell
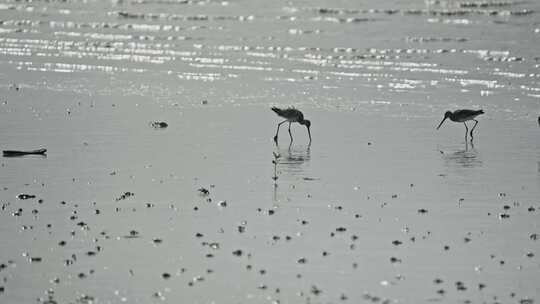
pixel 125 196
pixel 24 196
pixel 132 234
pixel 395 260
pixel 315 290
pixel 159 124
pixel 203 191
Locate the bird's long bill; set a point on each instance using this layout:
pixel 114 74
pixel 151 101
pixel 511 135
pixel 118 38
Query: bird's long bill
pixel 309 134
pixel 441 123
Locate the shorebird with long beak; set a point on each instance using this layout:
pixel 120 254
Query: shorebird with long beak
pixel 291 115
pixel 462 116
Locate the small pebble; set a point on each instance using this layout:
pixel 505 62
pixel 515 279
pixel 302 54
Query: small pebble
pixel 316 291
pixel 395 260
pixel 203 191
pixel 133 234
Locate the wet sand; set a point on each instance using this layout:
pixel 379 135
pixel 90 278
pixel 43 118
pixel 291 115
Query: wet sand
pixel 381 208
pixel 377 209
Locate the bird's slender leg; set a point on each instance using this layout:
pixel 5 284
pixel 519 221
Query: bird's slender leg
pixel 279 125
pixel 476 122
pixel 290 131
pixel 466 130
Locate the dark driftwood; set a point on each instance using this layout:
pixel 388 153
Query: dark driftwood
pixel 21 153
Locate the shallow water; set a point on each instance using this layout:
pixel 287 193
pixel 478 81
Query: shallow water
pixel 380 208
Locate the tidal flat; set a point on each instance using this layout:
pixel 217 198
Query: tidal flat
pixel 161 182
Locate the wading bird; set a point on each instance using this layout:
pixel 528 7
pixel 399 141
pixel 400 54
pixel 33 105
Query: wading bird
pixel 291 115
pixel 462 116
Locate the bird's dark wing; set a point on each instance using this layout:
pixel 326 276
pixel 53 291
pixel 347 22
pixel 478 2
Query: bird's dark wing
pixel 290 114
pixel 293 114
pixel 467 112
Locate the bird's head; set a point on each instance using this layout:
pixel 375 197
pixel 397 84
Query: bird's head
pixel 446 115
pixel 307 123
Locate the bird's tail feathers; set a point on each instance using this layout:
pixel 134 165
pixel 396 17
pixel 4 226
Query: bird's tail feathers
pixel 277 110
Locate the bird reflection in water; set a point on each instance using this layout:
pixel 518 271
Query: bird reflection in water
pixel 291 163
pixel 293 158
pixel 467 158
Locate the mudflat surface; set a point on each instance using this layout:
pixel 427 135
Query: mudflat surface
pixel 381 207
